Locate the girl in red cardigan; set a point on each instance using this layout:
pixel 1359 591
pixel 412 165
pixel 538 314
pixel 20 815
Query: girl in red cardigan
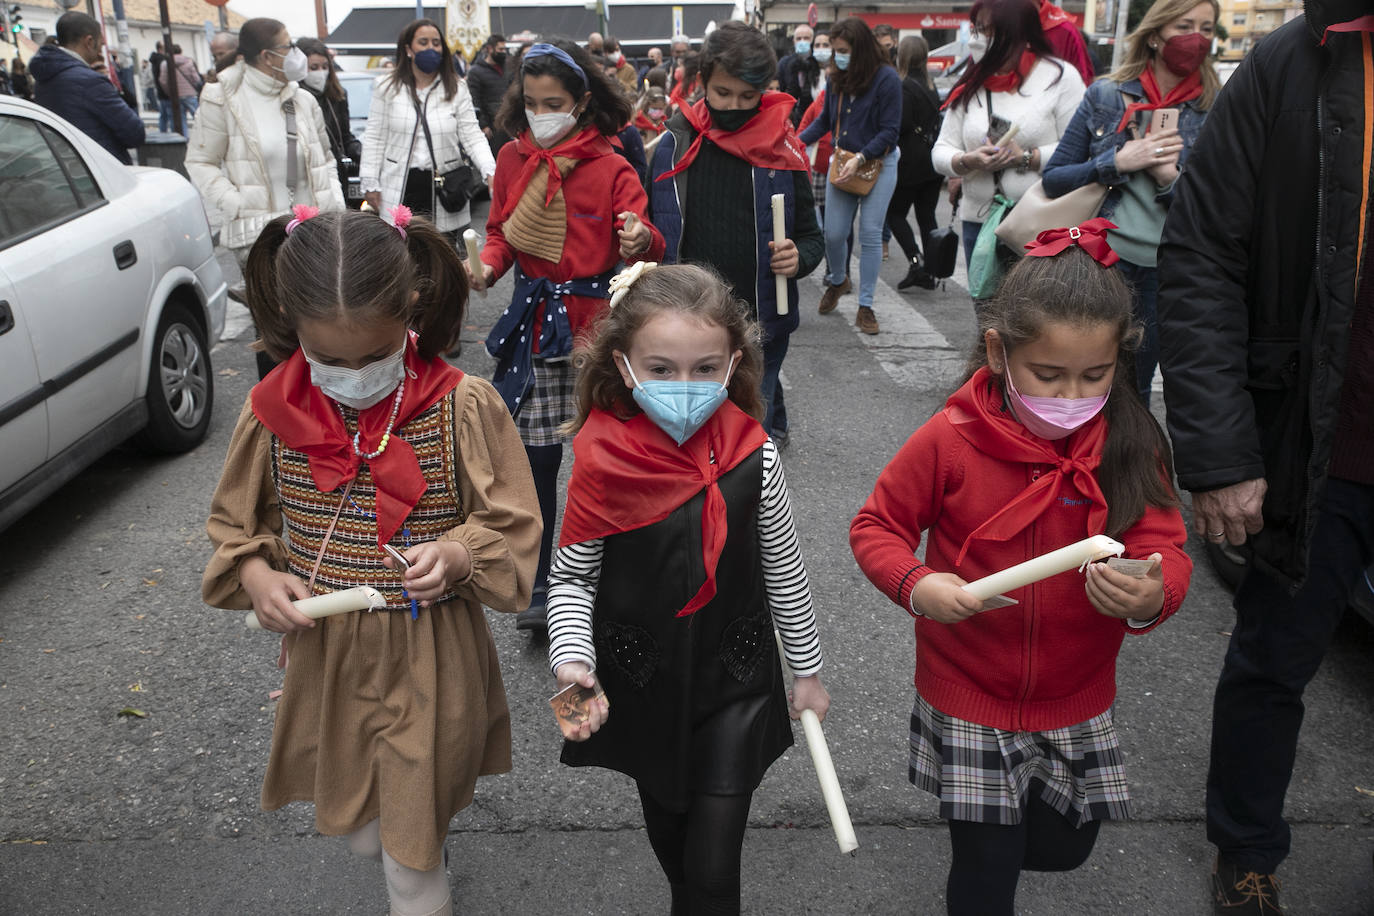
pixel 565 210
pixel 1047 443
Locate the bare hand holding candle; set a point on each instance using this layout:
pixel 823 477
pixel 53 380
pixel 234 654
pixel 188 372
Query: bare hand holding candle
pixel 475 261
pixel 825 770
pixel 779 235
pixel 362 598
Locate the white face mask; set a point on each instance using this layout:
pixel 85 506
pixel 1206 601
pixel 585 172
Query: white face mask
pixel 359 388
pixel 977 47
pixel 548 129
pixel 295 65
pixel 316 79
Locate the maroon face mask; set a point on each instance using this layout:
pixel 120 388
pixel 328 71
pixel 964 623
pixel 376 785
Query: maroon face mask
pixel 1183 54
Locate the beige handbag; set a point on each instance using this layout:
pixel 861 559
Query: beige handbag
pixel 862 181
pixel 1036 211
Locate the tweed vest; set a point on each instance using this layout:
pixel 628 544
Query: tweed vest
pixel 351 557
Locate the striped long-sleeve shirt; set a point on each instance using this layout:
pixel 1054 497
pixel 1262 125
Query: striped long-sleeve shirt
pixel 576 571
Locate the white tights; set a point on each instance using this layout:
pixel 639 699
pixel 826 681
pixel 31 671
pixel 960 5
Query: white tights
pixel 412 893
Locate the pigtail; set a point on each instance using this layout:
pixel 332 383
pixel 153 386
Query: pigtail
pixel 442 284
pixel 275 336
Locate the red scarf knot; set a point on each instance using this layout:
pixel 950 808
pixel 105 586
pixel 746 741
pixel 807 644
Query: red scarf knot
pixel 766 140
pixel 1190 88
pixel 1000 82
pixel 1090 236
pixel 587 143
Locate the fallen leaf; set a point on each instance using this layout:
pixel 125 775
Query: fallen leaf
pixel 129 711
pixel 136 687
pixel 274 694
pixel 150 582
pixel 229 372
pixel 1363 791
pixel 49 651
pixel 139 616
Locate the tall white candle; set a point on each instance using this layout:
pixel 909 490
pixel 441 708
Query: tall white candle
pixel 825 770
pixel 475 261
pixel 1097 547
pixel 779 235
pixel 362 598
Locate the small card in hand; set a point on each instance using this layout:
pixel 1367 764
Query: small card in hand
pixel 1137 569
pixel 572 705
pixel 997 601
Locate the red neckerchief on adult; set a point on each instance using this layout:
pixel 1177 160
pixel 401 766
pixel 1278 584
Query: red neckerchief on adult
pixel 976 410
pixel 767 140
pixel 1000 82
pixel 307 420
pixel 628 474
pixel 643 123
pixel 1189 88
pixel 587 143
pixel 1051 16
pixel 1362 24
pixel 1090 236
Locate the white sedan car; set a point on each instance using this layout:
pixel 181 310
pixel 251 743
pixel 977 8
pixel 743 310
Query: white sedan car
pixel 110 296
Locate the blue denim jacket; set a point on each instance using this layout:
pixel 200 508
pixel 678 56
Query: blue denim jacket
pixel 1087 151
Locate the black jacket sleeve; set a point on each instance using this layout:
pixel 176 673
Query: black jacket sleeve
pixel 1204 261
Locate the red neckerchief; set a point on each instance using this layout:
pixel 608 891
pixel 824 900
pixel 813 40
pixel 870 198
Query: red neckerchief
pixel 628 474
pixel 1362 24
pixel 307 420
pixel 766 140
pixel 643 123
pixel 678 99
pixel 587 143
pixel 1051 16
pixel 976 410
pixel 1000 82
pixel 1189 88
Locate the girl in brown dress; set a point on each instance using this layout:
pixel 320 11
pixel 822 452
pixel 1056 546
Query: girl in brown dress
pixel 362 437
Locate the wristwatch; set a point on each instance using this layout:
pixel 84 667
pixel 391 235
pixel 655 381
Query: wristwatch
pixel 1026 158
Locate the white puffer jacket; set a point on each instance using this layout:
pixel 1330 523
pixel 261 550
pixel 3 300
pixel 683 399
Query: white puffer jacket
pixel 393 136
pixel 225 161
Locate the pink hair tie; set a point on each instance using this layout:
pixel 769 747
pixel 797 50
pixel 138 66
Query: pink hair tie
pixel 303 212
pixel 400 218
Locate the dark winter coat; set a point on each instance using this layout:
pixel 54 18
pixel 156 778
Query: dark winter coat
pixel 487 86
pixel 69 88
pixel 919 130
pixel 796 76
pixel 342 143
pixel 1257 276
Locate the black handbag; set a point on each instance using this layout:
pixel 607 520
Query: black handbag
pixel 942 249
pixel 454 188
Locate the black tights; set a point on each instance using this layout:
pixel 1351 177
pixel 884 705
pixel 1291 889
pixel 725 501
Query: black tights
pixel 924 197
pixel 544 463
pixel 989 858
pixel 699 850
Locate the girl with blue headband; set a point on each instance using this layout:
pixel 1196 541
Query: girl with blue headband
pixel 566 209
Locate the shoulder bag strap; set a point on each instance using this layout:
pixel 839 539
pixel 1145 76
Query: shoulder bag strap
pixel 997 175
pixel 433 159
pixel 289 109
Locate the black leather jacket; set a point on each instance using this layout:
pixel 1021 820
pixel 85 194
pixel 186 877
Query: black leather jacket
pixel 1257 276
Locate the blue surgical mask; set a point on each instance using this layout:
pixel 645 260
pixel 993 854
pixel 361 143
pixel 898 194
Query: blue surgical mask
pixel 822 56
pixel 802 48
pixel 428 60
pixel 842 61
pixel 680 408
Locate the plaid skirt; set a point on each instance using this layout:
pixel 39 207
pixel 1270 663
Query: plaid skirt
pixel 550 403
pixel 986 775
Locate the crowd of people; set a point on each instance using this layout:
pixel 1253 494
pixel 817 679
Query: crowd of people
pixel 651 315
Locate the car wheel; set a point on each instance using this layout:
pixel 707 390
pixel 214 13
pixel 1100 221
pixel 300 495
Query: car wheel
pixel 1228 562
pixel 181 389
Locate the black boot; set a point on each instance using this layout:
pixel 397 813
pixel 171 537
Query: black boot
pixel 917 276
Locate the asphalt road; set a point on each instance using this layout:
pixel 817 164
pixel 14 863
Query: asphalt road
pixel 100 610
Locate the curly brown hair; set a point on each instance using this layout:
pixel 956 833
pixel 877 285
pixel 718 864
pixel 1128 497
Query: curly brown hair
pixel 689 289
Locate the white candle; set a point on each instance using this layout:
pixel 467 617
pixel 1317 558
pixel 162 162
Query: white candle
pixel 362 598
pixel 1042 567
pixel 825 770
pixel 475 261
pixel 779 234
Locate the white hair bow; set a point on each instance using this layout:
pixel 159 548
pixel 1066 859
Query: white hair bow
pixel 621 282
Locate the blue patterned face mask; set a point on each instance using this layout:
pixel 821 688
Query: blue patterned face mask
pixel 680 408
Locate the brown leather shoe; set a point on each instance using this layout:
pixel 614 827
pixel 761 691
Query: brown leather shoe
pixel 1237 892
pixel 846 286
pixel 866 320
pixel 830 298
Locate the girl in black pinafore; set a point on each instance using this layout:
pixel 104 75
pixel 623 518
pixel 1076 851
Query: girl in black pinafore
pixel 678 557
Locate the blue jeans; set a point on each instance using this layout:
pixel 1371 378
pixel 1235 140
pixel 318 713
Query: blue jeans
pixel 1275 649
pixel 840 209
pixel 188 108
pixel 164 114
pixel 971 230
pixel 774 410
pixel 1144 281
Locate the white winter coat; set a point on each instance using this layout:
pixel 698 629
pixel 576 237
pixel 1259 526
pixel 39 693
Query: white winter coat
pixel 226 165
pixel 393 133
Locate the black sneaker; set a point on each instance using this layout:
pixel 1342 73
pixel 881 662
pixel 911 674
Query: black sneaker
pixel 536 616
pixel 1238 892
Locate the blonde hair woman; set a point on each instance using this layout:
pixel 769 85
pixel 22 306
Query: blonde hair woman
pixel 1168 68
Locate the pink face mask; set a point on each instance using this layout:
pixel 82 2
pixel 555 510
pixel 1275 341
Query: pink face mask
pixel 1050 418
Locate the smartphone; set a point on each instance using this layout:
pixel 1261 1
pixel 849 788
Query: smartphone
pixel 997 128
pixel 396 555
pixel 1163 119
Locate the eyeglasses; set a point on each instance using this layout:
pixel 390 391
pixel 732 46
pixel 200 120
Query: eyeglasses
pixel 283 49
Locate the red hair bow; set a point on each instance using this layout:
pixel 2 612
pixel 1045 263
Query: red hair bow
pixel 1090 236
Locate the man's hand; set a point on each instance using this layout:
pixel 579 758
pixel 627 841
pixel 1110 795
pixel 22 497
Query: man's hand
pixel 1230 513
